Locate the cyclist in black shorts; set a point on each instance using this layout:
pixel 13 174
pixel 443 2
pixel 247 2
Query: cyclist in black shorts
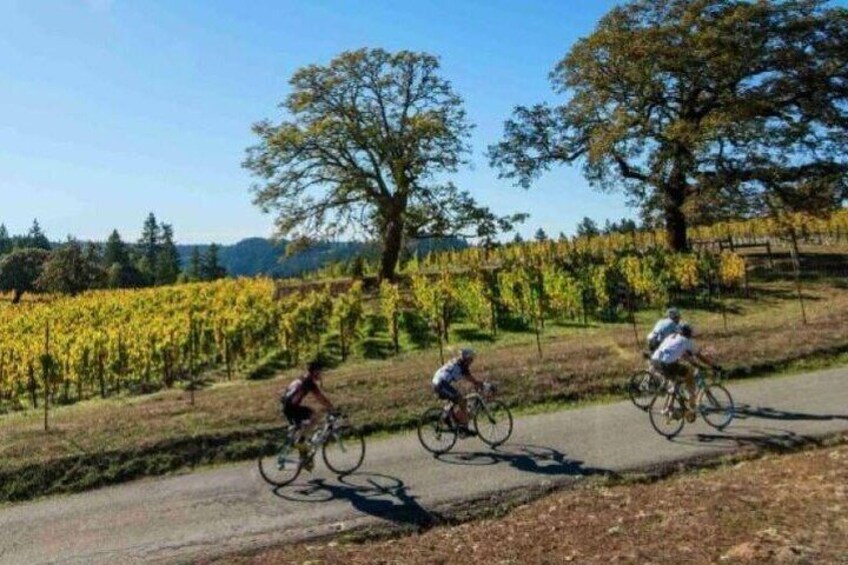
pixel 299 416
pixel 451 372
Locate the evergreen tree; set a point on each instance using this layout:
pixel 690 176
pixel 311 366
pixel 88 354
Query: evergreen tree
pixel 149 246
pixel 115 251
pixel 5 240
pixel 167 258
pixel 540 235
pixel 211 267
pixel 36 239
pixel 587 228
pixel 195 266
pixel 93 257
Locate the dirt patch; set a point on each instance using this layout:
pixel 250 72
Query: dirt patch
pixel 776 509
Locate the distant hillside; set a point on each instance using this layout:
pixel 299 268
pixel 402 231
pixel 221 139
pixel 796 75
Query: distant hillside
pixel 258 256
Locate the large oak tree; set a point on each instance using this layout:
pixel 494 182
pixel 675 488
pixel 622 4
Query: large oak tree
pixel 366 145
pixel 698 109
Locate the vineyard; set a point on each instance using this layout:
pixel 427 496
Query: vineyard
pixel 108 343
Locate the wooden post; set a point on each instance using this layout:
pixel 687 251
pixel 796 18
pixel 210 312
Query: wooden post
pixel 633 319
pixel 45 372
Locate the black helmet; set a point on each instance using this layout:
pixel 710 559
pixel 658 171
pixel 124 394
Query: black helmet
pixel 315 366
pixel 686 330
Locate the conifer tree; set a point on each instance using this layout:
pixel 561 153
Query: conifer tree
pixel 211 265
pixel 36 239
pixel 167 258
pixel 5 240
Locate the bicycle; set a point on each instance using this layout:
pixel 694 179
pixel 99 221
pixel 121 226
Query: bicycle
pixel 342 448
pixel 438 429
pixel 714 404
pixel 644 385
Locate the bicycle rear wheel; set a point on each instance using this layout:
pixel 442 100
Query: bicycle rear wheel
pixel 344 451
pixel 665 416
pixel 435 434
pixel 642 388
pixel 281 467
pixel 716 406
pixel 493 422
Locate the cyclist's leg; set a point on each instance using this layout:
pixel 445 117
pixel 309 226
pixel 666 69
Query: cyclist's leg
pixel 446 391
pixel 689 379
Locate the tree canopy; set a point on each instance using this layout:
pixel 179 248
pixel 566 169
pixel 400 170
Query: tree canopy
pixel 698 109
pixel 20 269
pixel 366 145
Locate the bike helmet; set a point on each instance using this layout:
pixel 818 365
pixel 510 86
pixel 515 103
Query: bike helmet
pixel 315 366
pixel 686 330
pixel 467 354
pixel 673 313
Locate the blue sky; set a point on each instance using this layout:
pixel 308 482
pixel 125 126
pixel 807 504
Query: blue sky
pixel 110 109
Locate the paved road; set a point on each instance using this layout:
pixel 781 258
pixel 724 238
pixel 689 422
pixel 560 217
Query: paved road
pixel 230 508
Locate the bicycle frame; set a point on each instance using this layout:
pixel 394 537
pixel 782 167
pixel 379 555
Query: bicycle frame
pixel 676 394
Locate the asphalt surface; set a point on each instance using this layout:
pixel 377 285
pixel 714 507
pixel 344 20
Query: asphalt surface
pixel 227 509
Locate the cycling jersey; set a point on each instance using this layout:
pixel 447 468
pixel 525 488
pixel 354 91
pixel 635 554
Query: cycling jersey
pixel 450 372
pixel 298 389
pixel 662 330
pixel 673 348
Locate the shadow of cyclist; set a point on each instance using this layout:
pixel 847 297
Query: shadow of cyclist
pixel 527 458
pixel 743 411
pixel 382 496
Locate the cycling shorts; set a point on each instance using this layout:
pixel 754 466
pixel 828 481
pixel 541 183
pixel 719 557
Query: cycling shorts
pixel 672 370
pixel 446 391
pixel 297 415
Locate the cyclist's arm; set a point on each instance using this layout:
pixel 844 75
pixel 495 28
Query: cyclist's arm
pixel 698 358
pixel 703 358
pixel 322 398
pixel 475 382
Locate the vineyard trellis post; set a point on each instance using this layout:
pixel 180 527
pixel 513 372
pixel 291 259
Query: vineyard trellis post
pixel 46 368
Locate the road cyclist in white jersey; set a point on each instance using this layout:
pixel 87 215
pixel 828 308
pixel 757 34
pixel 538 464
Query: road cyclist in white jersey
pixel 668 359
pixel 664 328
pixel 449 373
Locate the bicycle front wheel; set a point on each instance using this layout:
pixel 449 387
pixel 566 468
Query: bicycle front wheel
pixel 493 422
pixel 642 388
pixel 344 451
pixel 716 406
pixel 666 418
pixel 282 466
pixel 435 434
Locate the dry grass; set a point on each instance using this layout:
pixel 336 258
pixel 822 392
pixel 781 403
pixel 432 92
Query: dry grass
pixel 577 363
pixel 778 509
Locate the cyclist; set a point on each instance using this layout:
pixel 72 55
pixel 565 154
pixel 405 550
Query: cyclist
pixel 449 373
pixel 301 417
pixel 664 328
pixel 676 348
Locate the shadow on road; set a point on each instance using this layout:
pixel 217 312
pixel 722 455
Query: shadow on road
pixel 773 440
pixel 382 496
pixel 744 411
pixel 524 457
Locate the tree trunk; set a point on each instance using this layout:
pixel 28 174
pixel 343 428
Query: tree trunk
pixel 17 297
pixel 392 240
pixel 675 221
